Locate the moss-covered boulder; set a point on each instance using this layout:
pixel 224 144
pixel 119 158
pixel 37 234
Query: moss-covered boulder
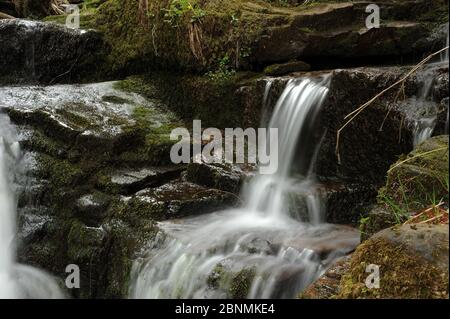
pixel 95 121
pixel 421 178
pixel 412 261
pixel 415 183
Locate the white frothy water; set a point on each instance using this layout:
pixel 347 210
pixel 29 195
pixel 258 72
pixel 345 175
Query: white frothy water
pixel 259 250
pixel 16 281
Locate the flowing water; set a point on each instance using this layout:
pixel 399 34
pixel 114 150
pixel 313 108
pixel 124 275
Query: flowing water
pixel 424 124
pixel 260 250
pixel 16 281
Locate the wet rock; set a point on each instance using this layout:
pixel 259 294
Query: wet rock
pixel 33 8
pixel 178 199
pixel 327 286
pixel 413 261
pixel 442 120
pixel 80 119
pixel 91 208
pixel 7 8
pixel 32 223
pixel 346 201
pixel 34 51
pixel 227 178
pixel 235 284
pixel 130 181
pixel 339 202
pixel 388 137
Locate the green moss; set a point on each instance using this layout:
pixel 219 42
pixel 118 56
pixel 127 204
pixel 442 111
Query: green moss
pixel 214 101
pixel 402 274
pixel 241 283
pixel 83 242
pixel 61 173
pixel 39 142
pixel 419 180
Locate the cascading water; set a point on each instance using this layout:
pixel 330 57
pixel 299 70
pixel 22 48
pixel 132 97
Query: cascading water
pixel 16 281
pixel 259 250
pixel 424 124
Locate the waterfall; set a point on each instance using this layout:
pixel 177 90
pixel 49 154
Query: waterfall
pixel 16 281
pixel 259 250
pixel 423 126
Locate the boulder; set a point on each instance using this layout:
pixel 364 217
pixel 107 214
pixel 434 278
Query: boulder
pixel 94 120
pixel 412 261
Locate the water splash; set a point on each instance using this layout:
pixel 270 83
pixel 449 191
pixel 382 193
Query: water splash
pixel 16 281
pixel 259 250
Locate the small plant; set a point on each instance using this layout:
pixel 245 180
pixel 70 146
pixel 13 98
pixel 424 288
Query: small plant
pixel 224 71
pixel 178 9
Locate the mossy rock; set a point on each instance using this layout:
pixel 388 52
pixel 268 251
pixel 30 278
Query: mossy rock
pixel 236 284
pixel 412 260
pixel 420 179
pixel 216 102
pixel 217 36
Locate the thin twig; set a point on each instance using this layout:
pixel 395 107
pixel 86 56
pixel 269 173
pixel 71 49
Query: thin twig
pixel 431 219
pixel 424 212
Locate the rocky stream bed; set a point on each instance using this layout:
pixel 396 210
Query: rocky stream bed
pixel 94 108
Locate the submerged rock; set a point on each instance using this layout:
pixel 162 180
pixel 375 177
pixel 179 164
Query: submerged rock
pixel 412 261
